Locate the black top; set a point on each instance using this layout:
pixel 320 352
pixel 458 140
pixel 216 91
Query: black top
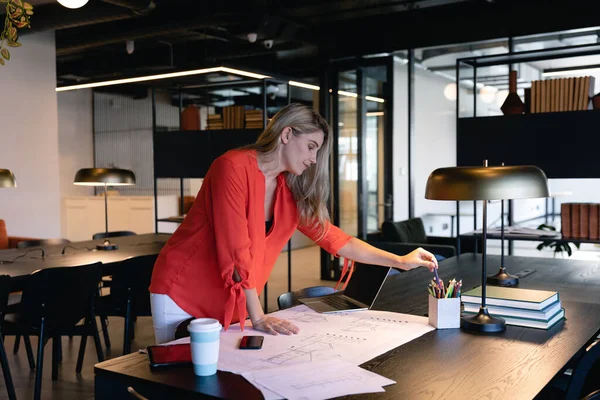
pixel 268 225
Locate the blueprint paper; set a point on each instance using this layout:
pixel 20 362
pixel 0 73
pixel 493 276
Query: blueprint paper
pixel 355 337
pixel 334 378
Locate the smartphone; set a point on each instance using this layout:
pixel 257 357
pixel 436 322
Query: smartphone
pixel 251 342
pixel 175 354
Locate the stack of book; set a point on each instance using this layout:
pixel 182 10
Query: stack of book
pixel 521 307
pixel 254 119
pixel 580 220
pixel 565 94
pixel 214 121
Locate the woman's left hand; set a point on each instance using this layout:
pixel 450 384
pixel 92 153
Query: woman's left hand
pixel 418 258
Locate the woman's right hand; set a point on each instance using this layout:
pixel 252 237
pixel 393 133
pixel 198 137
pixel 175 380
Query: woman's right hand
pixel 275 326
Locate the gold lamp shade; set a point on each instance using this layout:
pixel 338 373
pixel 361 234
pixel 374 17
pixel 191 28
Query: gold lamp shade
pixel 7 179
pixel 104 176
pixel 487 183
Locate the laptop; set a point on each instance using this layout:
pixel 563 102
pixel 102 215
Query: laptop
pixel 360 294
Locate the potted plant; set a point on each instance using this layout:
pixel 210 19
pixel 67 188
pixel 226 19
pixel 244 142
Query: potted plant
pixel 17 17
pixel 559 246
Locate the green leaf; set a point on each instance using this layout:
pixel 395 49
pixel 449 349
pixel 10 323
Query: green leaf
pixel 1 61
pixel 13 44
pixel 5 53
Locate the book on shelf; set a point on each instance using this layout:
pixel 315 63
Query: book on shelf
pixel 563 94
pixel 531 323
pixel 528 299
pixel 565 219
pixel 544 314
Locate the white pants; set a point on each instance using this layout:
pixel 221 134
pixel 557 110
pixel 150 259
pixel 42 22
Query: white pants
pixel 166 316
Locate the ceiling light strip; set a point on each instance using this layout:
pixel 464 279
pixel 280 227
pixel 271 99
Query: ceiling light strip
pixel 163 76
pixel 348 94
pixel 304 85
pixel 375 99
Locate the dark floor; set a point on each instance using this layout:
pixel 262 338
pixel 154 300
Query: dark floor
pixel 69 385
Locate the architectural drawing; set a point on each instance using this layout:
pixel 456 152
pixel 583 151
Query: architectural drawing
pixel 310 318
pixel 315 347
pixel 371 324
pixel 350 378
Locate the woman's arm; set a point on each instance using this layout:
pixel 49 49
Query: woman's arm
pixel 363 252
pixel 259 320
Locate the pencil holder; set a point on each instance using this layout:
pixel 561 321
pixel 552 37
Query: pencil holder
pixel 444 313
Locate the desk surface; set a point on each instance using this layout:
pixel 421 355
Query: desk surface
pixel 79 254
pixel 515 364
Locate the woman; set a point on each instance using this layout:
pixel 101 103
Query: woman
pixel 251 202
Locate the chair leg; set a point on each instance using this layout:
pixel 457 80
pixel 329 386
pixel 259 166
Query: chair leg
pixel 60 358
pixel 81 353
pixel 10 388
pixel 104 325
pixel 29 350
pixel 127 329
pixel 37 394
pixel 17 343
pixel 56 349
pixel 96 337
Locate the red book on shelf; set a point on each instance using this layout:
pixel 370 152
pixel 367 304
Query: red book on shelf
pixel 594 221
pixel 575 221
pixel 584 220
pixel 565 216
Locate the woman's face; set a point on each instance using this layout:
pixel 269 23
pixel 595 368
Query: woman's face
pixel 300 151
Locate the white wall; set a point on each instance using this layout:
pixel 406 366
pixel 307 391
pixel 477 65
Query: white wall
pixel 75 139
pixel 400 153
pixel 29 138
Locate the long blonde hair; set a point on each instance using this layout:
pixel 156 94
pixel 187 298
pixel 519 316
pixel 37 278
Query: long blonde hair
pixel 311 189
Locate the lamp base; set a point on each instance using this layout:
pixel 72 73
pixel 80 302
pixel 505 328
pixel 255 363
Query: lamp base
pixel 502 278
pixel 482 322
pixel 107 245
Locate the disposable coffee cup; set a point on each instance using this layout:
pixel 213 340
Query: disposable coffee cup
pixel 204 343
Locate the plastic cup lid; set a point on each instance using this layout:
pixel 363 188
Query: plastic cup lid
pixel 204 324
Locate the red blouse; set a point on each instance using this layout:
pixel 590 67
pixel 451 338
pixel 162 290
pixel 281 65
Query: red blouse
pixel 225 228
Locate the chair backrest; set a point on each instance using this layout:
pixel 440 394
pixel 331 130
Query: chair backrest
pixel 4 291
pixel 409 231
pixel 41 242
pixel 105 235
pixel 290 299
pixel 62 295
pixel 131 277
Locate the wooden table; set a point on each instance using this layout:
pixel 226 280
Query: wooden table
pixel 515 364
pixel 78 253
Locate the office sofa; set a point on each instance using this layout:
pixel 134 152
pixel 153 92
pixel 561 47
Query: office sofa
pixel 404 236
pixel 9 242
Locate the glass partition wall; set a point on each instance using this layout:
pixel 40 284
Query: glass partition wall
pixel 359 101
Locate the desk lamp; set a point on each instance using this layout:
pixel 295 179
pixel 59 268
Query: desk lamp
pixel 502 278
pixel 486 183
pixel 7 179
pixel 105 177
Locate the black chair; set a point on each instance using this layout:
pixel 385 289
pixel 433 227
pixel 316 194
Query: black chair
pixel 592 396
pixel 129 296
pixel 4 290
pixel 290 299
pixel 107 235
pixel 55 301
pixel 439 251
pixel 411 234
pixel 580 379
pixel 41 242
